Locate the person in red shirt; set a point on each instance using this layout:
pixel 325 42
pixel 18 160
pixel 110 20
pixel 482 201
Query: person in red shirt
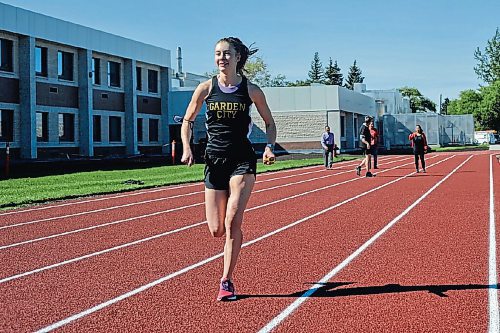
pixel 419 145
pixel 374 144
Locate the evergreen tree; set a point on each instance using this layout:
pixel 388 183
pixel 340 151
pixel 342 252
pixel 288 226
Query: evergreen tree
pixel 354 76
pixel 316 73
pixel 332 74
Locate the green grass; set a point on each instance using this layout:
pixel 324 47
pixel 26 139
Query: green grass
pixel 25 191
pixel 459 148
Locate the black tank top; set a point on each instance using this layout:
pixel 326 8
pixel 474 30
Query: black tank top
pixel 228 121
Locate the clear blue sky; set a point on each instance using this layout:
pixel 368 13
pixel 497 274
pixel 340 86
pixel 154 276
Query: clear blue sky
pixel 427 44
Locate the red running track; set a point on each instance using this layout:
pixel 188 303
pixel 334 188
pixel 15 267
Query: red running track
pixel 428 270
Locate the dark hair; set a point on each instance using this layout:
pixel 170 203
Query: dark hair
pixel 241 49
pixel 421 131
pixel 368 119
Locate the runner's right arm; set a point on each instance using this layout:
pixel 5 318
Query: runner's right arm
pixel 194 107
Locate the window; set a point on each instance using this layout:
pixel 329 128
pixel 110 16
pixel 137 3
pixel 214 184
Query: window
pixel 6 57
pixel 6 125
pixel 113 74
pixel 66 127
pixel 342 126
pixel 65 65
pixel 96 71
pixel 41 61
pixel 152 81
pixel 139 130
pixel 138 74
pixel 97 128
pixel 153 130
pixel 42 126
pixel 115 129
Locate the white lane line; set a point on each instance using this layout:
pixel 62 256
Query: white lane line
pixel 95 227
pixel 141 202
pixel 208 260
pixel 304 297
pixel 139 241
pixel 139 192
pixel 492 263
pixel 179 208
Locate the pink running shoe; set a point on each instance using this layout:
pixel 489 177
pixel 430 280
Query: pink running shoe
pixel 226 291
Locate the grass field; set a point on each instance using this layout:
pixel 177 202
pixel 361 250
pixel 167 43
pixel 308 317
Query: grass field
pixel 24 191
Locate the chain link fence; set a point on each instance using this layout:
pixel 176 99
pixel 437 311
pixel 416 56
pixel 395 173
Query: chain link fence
pixel 439 129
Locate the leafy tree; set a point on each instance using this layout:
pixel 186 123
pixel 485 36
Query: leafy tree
pixel 316 73
pixel 418 102
pixel 257 72
pixel 299 83
pixel 354 76
pixel 483 104
pixel 488 66
pixel 332 74
pixel 278 81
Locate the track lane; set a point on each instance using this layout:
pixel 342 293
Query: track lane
pixel 81 206
pixel 428 274
pixel 279 241
pixel 48 252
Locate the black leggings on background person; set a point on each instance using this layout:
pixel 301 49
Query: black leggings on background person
pixel 422 161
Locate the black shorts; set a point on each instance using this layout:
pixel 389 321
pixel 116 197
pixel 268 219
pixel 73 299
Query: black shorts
pixel 219 170
pixel 366 151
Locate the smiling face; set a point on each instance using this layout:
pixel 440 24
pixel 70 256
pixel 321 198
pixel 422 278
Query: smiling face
pixel 226 57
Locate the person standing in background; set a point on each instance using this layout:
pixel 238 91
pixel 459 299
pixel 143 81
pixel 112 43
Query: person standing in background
pixel 419 145
pixel 374 144
pixel 328 144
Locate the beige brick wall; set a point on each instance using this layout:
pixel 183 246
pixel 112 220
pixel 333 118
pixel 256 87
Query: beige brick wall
pixel 291 126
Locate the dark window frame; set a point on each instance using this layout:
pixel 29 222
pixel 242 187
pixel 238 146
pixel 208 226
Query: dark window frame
pixel 96 71
pixel 154 126
pixel 152 81
pixel 140 130
pixel 6 55
pixel 96 128
pixel 114 74
pixel 65 65
pixel 342 126
pixel 6 125
pixel 138 74
pixel 44 127
pixel 68 127
pixel 42 60
pixel 115 136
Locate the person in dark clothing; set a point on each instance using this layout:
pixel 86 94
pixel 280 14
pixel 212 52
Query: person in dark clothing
pixel 419 145
pixel 374 144
pixel 364 143
pixel 328 144
pixel 230 167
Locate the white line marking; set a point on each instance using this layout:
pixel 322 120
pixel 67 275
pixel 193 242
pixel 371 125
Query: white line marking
pixel 304 297
pixel 139 192
pixel 95 227
pixel 208 260
pixel 178 208
pixel 90 255
pixel 492 263
pixel 144 202
pixel 171 187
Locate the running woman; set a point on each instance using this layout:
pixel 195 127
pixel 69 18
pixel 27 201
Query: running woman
pixel 230 168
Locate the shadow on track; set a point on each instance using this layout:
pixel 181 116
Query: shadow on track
pixel 329 290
